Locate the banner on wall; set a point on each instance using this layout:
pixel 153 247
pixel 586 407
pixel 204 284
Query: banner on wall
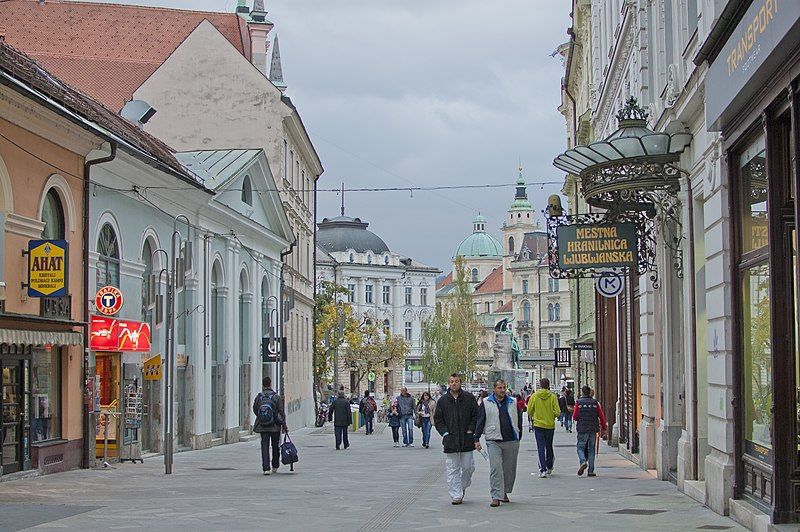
pixel 109 334
pixel 48 262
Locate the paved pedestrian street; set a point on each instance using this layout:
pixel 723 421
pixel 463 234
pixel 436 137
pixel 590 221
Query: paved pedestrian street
pixel 372 486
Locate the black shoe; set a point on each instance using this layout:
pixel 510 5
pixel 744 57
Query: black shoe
pixel 338 449
pixel 591 474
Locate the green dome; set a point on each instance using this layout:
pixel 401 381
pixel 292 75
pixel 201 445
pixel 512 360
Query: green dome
pixel 479 243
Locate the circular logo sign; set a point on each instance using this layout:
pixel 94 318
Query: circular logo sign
pixel 371 376
pixel 108 300
pixel 610 285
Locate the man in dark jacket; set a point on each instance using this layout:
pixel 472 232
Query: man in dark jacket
pixel 590 419
pixel 455 417
pixel 406 406
pixel 342 417
pixel 367 408
pixel 271 432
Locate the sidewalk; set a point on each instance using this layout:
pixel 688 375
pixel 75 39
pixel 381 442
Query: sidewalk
pixel 372 486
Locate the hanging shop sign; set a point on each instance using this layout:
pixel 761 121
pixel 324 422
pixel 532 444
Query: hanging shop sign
pixel 597 246
pixel 563 357
pixel 48 273
pixel 151 369
pixel 610 285
pixel 759 45
pixel 108 300
pixel 273 349
pixel 109 334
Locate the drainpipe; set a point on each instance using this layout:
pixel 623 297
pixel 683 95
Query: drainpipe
pixel 693 325
pixel 284 253
pixel 87 401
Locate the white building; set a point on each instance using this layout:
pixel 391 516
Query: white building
pixel 384 286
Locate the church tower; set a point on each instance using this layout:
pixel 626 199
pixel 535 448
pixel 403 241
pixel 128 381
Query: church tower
pixel 521 220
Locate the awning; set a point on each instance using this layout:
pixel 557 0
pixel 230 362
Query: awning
pixel 27 337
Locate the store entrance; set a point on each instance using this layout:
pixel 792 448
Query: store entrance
pixel 108 375
pixel 14 434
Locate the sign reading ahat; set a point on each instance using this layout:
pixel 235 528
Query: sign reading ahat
pixel 47 268
pixel 597 246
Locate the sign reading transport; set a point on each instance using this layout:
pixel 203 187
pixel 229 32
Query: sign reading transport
pixel 582 246
pixel 47 268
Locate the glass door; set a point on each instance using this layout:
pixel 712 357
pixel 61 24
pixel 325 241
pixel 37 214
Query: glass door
pixel 13 428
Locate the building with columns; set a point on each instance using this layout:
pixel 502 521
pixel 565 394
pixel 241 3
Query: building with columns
pixel 384 286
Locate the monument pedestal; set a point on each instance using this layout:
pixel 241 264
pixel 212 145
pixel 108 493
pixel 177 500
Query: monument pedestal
pixel 515 378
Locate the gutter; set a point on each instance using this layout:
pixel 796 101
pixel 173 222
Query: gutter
pixel 87 168
pixel 732 13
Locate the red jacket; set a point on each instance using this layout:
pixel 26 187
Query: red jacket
pixel 600 415
pixel 521 404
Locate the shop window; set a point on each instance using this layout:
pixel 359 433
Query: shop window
pixel 46 395
pixel 754 181
pixel 53 216
pixel 108 263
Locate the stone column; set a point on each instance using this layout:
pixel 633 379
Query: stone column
pixel 649 370
pixel 232 343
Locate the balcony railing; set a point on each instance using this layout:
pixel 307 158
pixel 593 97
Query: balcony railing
pixel 523 325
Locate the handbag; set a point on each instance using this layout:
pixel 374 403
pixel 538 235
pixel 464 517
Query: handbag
pixel 288 453
pixel 418 421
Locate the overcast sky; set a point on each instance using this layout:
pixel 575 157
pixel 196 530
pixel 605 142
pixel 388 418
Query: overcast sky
pixel 423 92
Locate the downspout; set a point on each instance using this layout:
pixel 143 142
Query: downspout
pixel 87 401
pixel 539 288
pixel 693 324
pixel 280 323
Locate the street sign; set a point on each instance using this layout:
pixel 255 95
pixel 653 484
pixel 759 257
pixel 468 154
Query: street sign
pixel 273 349
pixel 563 358
pixel 371 376
pixel 610 285
pixel 152 369
pixel 48 273
pixel 108 300
pixel 584 346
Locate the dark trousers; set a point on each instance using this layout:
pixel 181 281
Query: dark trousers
pixel 368 423
pixel 341 436
pixel 544 446
pixel 396 434
pixel 270 439
pixel 519 423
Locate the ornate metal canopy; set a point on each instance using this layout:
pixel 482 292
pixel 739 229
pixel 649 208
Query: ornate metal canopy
pixel 632 168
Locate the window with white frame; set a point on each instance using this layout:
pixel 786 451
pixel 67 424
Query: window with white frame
pixel 557 312
pixel 526 341
pixel 553 340
pixel 524 286
pixel 368 294
pixel 554 285
pixel 408 295
pixel 423 297
pixel 488 307
pixel 409 331
pixel 351 293
pixel 386 294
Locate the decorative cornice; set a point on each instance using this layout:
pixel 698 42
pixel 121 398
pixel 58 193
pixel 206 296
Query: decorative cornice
pixel 23 226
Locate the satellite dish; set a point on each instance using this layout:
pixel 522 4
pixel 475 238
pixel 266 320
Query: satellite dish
pixel 138 111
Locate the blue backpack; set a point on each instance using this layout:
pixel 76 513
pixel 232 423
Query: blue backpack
pixel 268 410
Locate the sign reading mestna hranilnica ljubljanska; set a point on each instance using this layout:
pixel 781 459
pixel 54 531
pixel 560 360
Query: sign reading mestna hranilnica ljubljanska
pixel 597 246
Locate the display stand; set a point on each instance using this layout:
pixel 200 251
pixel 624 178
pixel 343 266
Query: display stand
pixel 132 421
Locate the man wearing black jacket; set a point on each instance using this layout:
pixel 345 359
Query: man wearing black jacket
pixel 455 417
pixel 341 416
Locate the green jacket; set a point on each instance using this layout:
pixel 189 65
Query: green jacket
pixel 543 408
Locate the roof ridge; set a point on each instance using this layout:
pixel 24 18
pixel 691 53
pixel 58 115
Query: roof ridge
pixel 89 57
pixel 130 6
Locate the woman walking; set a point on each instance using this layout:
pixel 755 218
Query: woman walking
pixel 394 423
pixel 425 408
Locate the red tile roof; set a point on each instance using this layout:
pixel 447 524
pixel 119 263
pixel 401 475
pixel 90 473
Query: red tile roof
pixel 505 308
pixel 445 281
pixel 26 71
pixel 492 284
pixel 106 50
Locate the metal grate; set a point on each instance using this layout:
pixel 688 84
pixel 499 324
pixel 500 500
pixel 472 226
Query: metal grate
pixel 218 468
pixel 637 511
pixel 645 494
pixel 53 459
pixel 713 527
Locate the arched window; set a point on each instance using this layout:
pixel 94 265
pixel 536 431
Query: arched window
pixel 511 245
pixel 53 216
pixel 352 258
pixel 386 327
pixel 369 259
pixel 550 312
pixel 526 311
pixel 386 260
pixel 557 312
pixel 108 263
pixel 247 191
pixel 266 307
pixel 526 341
pixel 147 297
pixel 474 275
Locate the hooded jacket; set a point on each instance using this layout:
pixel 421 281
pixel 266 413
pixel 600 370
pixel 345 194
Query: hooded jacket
pixel 543 408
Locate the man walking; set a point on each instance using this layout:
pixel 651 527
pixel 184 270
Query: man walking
pixel 341 417
pixel 495 423
pixel 367 408
pixel 569 403
pixel 543 409
pixel 455 417
pixel 589 420
pixel 270 420
pixel 405 406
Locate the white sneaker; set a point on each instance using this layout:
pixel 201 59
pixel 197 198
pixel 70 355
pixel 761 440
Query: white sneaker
pixel 411 445
pixel 550 471
pixel 266 472
pixel 543 474
pixel 396 444
pixel 275 470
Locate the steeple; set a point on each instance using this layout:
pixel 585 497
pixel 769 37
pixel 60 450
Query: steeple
pixel 521 202
pixel 276 70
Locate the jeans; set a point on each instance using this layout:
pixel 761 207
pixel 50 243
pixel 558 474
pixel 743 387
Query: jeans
pixel 568 421
pixel 519 423
pixel 426 430
pixel 502 467
pixel 544 446
pixel 407 422
pixel 368 423
pixel 458 468
pixel 341 436
pixel 396 434
pixel 270 439
pixel 587 442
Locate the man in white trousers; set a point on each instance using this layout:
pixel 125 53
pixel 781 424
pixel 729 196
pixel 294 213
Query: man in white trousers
pixel 455 417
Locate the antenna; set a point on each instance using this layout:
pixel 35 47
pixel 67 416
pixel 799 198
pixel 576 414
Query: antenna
pixel 342 199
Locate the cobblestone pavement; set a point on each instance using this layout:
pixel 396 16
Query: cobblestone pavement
pixel 370 487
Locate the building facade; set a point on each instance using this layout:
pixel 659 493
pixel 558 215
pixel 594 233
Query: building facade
pixel 383 287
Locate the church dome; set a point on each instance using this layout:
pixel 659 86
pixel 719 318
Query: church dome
pixel 479 244
pixel 343 233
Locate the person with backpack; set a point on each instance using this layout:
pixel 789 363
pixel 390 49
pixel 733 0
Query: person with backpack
pixel 394 423
pixel 589 420
pixel 425 409
pixel 342 418
pixel 543 408
pixel 367 408
pixel 270 420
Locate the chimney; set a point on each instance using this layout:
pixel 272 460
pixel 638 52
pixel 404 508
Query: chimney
pixel 259 27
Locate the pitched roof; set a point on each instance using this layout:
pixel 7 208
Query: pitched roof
pixel 16 66
pixel 493 282
pixel 535 244
pixel 107 50
pixel 448 279
pixel 505 308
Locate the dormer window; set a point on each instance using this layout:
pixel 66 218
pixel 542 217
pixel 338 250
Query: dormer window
pixel 386 260
pixel 247 191
pixel 352 258
pixel 369 259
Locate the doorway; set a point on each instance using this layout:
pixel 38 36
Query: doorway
pixel 15 391
pixel 108 375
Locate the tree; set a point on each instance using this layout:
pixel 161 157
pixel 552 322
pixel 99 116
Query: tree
pixel 451 335
pixel 334 325
pixel 373 349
